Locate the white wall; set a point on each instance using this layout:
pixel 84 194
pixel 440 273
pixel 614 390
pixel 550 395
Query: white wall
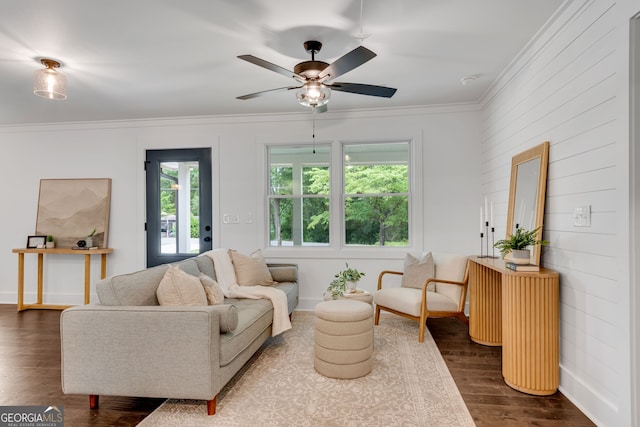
pixel 446 138
pixel 570 87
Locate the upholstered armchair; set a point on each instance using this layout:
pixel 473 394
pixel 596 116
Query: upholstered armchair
pixel 433 286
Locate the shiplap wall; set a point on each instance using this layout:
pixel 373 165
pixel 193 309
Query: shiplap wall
pixel 564 88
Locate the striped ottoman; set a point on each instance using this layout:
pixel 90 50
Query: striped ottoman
pixel 343 339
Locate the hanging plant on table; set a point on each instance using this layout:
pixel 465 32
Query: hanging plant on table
pixel 344 280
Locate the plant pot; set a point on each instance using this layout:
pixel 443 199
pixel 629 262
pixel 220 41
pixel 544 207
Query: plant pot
pixel 351 286
pixel 89 241
pixel 521 256
pixel 50 245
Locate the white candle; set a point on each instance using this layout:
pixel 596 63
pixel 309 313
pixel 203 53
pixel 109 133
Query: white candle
pixel 481 219
pixel 491 214
pixel 486 210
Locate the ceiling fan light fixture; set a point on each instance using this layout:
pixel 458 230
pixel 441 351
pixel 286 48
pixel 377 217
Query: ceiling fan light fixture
pixel 48 82
pixel 313 94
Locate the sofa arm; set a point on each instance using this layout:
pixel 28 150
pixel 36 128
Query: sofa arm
pixel 149 351
pixel 284 272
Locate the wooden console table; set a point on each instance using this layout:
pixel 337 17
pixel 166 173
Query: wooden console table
pixel 41 252
pixel 519 311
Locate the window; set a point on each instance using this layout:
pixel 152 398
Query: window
pixel 299 181
pixel 376 194
pixel 373 191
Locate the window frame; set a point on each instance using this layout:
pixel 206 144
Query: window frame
pixel 343 195
pixel 337 218
pixel 296 186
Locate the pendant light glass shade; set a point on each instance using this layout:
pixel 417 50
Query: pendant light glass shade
pixel 313 94
pixel 49 83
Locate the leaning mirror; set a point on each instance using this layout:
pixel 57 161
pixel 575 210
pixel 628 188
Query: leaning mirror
pixel 527 193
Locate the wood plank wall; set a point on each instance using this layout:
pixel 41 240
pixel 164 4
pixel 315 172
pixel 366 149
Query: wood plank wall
pixel 564 88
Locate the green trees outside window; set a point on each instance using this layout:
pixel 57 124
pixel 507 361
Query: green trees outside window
pixel 375 195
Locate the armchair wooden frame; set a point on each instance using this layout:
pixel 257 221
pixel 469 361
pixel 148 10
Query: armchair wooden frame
pixel 424 312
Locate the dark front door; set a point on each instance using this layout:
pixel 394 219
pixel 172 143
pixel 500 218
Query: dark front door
pixel 178 204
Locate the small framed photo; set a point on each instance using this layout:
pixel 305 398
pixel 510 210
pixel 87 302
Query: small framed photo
pixel 36 242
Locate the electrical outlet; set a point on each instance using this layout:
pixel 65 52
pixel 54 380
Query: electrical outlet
pixel 582 216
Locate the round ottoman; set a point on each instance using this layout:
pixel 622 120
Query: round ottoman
pixel 343 339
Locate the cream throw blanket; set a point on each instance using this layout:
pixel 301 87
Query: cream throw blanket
pixel 226 277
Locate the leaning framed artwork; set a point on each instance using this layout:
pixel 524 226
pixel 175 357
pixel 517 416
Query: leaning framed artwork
pixel 71 209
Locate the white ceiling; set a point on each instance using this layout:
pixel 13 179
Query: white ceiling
pixel 134 59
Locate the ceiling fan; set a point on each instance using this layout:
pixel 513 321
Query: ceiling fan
pixel 315 76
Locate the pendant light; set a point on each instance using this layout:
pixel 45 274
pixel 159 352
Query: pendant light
pixel 48 82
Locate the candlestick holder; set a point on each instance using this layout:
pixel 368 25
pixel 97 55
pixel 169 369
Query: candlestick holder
pixel 493 242
pixel 481 246
pixel 486 227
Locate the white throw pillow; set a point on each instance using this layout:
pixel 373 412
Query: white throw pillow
pixel 180 288
pixel 416 271
pixel 251 269
pixel 212 289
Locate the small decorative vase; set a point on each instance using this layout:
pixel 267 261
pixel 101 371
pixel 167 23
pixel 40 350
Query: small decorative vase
pixel 351 287
pixel 521 256
pixel 50 245
pixel 89 241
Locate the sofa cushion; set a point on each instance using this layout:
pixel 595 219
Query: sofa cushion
pixel 228 318
pixel 251 269
pixel 254 317
pixel 180 288
pixel 138 288
pixel 212 289
pixel 205 265
pixel 283 272
pixel 416 271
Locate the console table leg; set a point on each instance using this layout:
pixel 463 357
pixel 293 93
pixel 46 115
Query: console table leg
pixel 87 278
pixel 40 276
pixel 20 281
pixel 103 266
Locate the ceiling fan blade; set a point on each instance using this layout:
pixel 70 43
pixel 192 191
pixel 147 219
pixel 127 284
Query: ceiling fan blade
pixel 264 92
pixel 270 66
pixel 346 63
pixel 362 89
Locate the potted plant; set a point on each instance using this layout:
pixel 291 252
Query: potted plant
pixel 344 281
pixel 50 243
pixel 89 239
pixel 518 245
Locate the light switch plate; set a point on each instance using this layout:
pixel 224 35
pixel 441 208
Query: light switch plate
pixel 231 219
pixel 582 216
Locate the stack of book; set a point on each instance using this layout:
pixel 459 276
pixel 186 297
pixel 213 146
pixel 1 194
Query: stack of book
pixel 521 267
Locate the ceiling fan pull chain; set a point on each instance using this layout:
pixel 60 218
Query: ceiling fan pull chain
pixel 313 134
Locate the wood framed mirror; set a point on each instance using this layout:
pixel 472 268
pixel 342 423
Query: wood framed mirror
pixel 527 192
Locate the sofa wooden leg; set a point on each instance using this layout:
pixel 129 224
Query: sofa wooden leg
pixel 376 319
pixel 94 401
pixel 211 406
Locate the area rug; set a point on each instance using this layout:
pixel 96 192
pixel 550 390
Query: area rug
pixel 410 385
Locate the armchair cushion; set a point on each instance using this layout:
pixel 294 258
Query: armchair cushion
pixel 416 271
pixel 449 267
pixel 409 300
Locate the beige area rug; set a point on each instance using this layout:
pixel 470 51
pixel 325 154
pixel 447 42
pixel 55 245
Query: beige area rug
pixel 410 385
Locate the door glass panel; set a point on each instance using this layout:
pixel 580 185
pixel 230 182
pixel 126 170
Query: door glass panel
pixel 179 207
pixel 178 222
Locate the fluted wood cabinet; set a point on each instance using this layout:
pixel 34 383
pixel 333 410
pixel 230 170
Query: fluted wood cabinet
pixel 519 311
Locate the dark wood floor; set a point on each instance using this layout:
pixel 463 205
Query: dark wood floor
pixel 30 375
